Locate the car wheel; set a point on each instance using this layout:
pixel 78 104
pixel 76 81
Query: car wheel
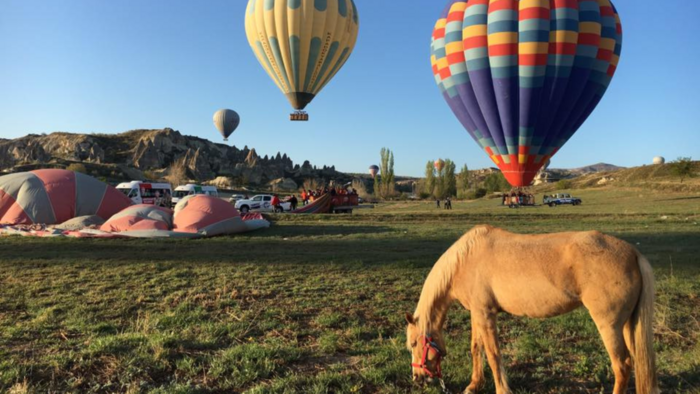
pixel 245 209
pixel 552 205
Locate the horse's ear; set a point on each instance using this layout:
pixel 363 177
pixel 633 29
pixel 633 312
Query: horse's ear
pixel 410 319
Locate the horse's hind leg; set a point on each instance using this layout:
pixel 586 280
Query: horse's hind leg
pixel 488 332
pixel 478 362
pixel 614 341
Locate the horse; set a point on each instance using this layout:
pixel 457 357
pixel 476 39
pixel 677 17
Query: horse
pixel 490 270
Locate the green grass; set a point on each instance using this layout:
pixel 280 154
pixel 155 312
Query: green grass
pixel 315 304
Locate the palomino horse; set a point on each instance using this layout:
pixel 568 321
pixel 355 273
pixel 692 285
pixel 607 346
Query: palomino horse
pixel 490 270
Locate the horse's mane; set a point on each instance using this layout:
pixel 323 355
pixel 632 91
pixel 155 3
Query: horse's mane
pixel 435 294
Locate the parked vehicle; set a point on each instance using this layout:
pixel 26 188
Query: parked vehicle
pixel 236 197
pixel 561 199
pixel 159 194
pixel 260 203
pixel 191 190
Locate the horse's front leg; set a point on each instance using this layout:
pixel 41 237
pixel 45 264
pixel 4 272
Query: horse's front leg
pixel 488 332
pixel 478 363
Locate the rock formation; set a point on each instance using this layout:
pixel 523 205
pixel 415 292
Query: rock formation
pixel 137 152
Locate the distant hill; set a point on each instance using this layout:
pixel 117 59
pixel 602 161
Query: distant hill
pixel 656 177
pixel 142 154
pixel 600 167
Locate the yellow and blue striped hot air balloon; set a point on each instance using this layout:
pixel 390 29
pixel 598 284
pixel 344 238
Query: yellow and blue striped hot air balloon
pixel 302 44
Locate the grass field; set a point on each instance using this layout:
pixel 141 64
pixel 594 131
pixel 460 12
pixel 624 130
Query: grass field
pixel 315 304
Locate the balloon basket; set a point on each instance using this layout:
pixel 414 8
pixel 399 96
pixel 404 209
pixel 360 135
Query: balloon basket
pixel 299 116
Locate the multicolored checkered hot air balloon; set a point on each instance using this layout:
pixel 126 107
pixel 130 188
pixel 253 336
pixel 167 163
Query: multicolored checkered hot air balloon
pixel 523 76
pixel 302 44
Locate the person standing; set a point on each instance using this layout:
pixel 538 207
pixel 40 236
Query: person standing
pixel 276 206
pixel 293 201
pixel 437 201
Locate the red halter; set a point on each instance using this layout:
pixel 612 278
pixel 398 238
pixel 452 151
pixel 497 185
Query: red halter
pixel 429 345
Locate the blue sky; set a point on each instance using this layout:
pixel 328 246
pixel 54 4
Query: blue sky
pixel 111 66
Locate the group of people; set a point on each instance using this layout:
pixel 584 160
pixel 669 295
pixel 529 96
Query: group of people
pixel 309 196
pixel 277 203
pixel 447 205
pixel 518 198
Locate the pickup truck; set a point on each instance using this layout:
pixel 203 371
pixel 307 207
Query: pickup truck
pixel 561 199
pixel 260 203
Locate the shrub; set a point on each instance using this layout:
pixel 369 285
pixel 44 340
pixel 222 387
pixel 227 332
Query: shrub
pixel 177 173
pixel 151 175
pixel 564 184
pixel 77 167
pixel 312 184
pixel 361 189
pixel 477 193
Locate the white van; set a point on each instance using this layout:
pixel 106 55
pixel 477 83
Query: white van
pixel 191 190
pixel 159 194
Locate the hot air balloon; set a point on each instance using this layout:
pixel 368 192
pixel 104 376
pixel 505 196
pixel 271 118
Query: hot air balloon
pixel 373 170
pixel 659 160
pixel 439 165
pixel 226 121
pixel 523 76
pixel 301 44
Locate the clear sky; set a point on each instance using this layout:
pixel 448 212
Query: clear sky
pixel 111 66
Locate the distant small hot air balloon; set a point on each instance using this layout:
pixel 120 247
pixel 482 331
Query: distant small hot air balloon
pixel 523 76
pixel 439 164
pixel 302 44
pixel 373 170
pixel 659 160
pixel 227 121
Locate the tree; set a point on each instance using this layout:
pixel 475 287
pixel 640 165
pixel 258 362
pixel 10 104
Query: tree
pixel 496 182
pixel 429 185
pixel 682 168
pixel 376 187
pixel 439 190
pixel 449 179
pixel 463 183
pixel 386 168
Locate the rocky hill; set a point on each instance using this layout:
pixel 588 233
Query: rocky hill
pixel 141 154
pixel 600 167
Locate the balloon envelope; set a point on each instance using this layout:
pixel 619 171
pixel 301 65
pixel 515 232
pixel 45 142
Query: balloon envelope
pixel 523 76
pixel 302 43
pixel 439 164
pixel 373 170
pixel 226 121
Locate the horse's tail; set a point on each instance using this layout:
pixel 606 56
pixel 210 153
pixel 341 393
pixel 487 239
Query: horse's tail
pixel 641 335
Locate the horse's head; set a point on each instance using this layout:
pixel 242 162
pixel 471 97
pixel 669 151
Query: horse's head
pixel 427 351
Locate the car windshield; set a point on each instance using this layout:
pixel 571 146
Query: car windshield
pixel 125 191
pixel 181 193
pixel 257 198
